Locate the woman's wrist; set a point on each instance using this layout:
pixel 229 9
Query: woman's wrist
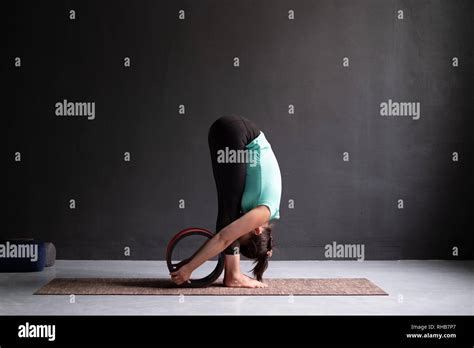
pixel 189 267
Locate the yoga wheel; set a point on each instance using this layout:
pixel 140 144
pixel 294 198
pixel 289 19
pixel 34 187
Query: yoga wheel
pixel 176 258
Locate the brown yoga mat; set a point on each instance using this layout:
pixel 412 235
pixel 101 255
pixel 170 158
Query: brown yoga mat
pixel 147 286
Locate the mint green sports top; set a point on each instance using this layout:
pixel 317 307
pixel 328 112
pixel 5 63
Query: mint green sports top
pixel 263 180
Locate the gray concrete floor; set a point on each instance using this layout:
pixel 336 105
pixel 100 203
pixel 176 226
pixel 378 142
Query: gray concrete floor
pixel 414 287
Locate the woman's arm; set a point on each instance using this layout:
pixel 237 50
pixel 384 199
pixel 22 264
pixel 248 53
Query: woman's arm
pixel 246 223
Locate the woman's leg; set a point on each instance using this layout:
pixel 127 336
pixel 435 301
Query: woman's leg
pixel 234 132
pixel 231 132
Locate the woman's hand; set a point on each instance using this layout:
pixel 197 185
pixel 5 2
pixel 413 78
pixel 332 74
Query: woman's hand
pixel 182 275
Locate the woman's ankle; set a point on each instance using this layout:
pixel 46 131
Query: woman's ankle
pixel 232 277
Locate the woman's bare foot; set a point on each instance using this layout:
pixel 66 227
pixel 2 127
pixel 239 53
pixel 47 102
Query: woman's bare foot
pixel 242 281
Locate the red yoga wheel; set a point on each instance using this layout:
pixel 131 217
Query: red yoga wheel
pixel 174 261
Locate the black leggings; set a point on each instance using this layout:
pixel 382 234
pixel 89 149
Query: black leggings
pixel 234 132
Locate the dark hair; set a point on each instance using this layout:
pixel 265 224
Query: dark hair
pixel 259 248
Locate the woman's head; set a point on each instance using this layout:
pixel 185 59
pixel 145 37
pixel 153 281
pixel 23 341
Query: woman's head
pixel 258 246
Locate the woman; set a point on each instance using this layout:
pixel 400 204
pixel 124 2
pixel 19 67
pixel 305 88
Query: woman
pixel 248 182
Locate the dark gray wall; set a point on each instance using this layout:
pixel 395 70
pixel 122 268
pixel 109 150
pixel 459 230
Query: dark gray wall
pixel 283 62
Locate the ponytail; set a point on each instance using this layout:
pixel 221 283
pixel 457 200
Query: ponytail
pixel 261 265
pixel 259 247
